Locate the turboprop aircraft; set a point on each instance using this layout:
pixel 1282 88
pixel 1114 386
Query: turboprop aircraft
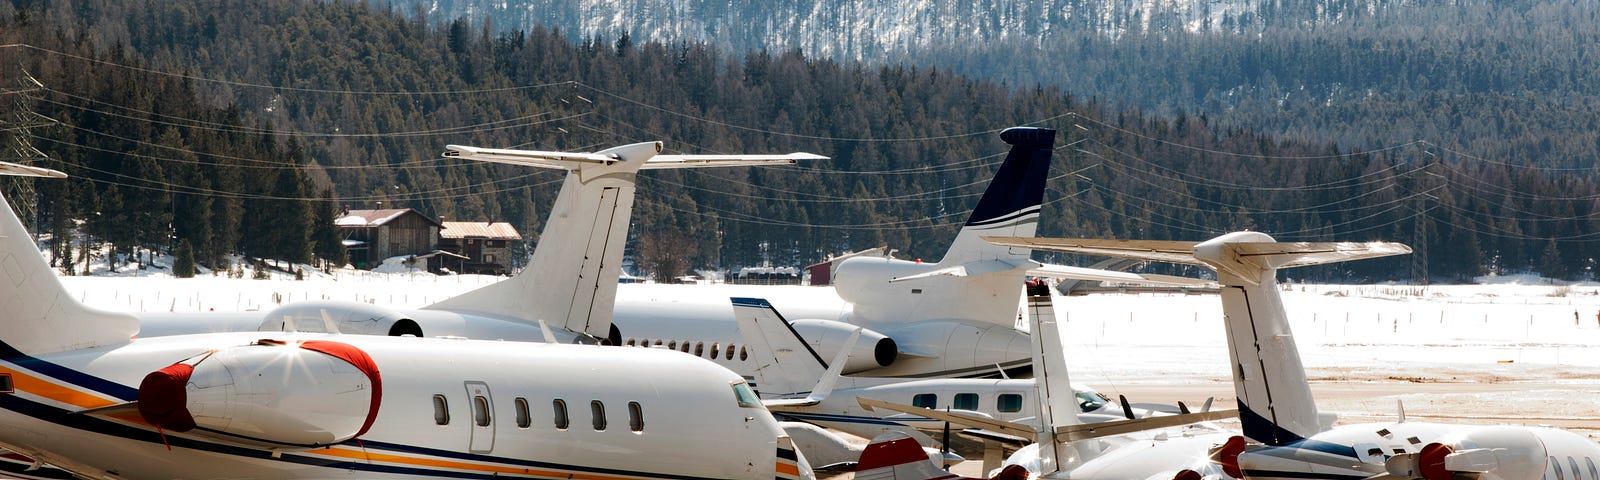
pixel 1153 448
pixel 570 286
pixel 1276 408
pixel 783 360
pixel 954 318
pixel 77 392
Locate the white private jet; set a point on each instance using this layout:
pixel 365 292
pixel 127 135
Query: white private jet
pixel 1152 448
pixel 569 287
pixel 78 393
pixel 1275 403
pixel 783 359
pixel 954 318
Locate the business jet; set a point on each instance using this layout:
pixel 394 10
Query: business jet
pixel 569 287
pixel 954 318
pixel 1276 408
pixel 1152 448
pixel 79 393
pixel 783 360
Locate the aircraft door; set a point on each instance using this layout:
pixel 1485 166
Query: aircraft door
pixel 482 405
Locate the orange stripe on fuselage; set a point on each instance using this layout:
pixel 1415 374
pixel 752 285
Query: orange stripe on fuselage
pixel 355 454
pixel 25 383
pixel 789 469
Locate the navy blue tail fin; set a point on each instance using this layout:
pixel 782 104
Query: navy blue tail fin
pixel 1010 207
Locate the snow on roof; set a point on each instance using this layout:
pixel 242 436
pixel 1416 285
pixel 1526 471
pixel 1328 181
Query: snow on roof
pixel 373 218
pixel 489 230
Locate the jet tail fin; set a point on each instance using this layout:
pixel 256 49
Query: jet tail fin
pixel 897 456
pixel 37 315
pixel 784 363
pixel 1010 206
pixel 1275 403
pixel 571 282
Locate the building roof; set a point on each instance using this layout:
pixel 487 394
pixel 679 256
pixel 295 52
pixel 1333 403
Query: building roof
pixel 485 230
pixel 373 218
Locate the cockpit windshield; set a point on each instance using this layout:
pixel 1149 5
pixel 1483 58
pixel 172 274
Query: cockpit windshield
pixel 1090 400
pixel 747 398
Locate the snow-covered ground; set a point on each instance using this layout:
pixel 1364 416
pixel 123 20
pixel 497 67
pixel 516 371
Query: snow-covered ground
pixel 1510 348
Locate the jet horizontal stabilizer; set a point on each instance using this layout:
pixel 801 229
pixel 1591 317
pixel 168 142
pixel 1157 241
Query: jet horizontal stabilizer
pixel 571 160
pixel 1085 431
pixel 1263 254
pixel 1152 250
pixel 969 269
pixel 662 162
pixel 1000 426
pixel 531 158
pixel 1094 274
pixel 18 170
pixel 1300 254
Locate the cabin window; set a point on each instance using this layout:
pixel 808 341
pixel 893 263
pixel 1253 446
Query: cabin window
pixel 631 343
pixel 1594 473
pixel 5 383
pixel 1008 402
pixel 730 352
pixel 745 396
pixel 715 351
pixel 658 343
pixel 966 401
pixel 561 414
pixel 635 417
pixel 1555 465
pixel 699 349
pixel 743 354
pixel 685 347
pixel 480 410
pixel 524 419
pixel 925 400
pixel 597 411
pixel 1573 464
pixel 441 410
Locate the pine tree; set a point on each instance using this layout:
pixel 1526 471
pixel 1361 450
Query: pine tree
pixel 183 265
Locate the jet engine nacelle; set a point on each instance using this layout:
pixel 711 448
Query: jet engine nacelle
pixel 324 316
pixel 270 394
pixel 873 350
pixel 958 348
pixel 1487 453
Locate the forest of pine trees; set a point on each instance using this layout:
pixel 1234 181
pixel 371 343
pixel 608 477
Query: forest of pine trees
pixel 189 129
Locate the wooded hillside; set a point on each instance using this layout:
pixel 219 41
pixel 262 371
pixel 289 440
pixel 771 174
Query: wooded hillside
pixel 231 126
